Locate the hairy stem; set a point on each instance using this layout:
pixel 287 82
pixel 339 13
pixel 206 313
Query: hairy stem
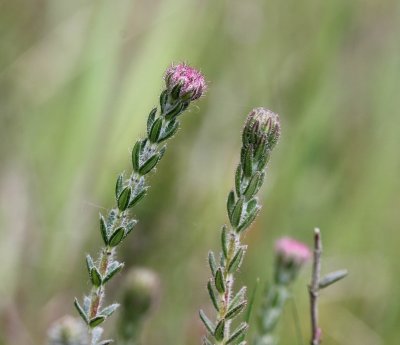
pixel 183 85
pixel 260 135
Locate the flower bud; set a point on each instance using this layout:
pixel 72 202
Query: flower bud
pixel 185 82
pixel 291 255
pixel 68 331
pixel 262 125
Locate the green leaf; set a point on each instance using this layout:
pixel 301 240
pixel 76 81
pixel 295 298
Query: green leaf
pixel 240 331
pixel 237 212
pixel 103 230
pixel 249 219
pixel 239 297
pixel 235 310
pixel 262 162
pixel 174 111
pixel 219 280
pixel 116 237
pixel 224 241
pixel 261 149
pixel 219 332
pixel 97 320
pixel 89 263
pixel 139 196
pixel 149 164
pixel 170 130
pixel 207 322
pixel 136 155
pixel 156 130
pixel 252 187
pixel 112 270
pixel 332 278
pixel 123 199
pixel 150 120
pixel 81 311
pixel 251 205
pixel 118 185
pixel 212 295
pixel 109 310
pixel 163 100
pixel 236 261
pixel 247 162
pixel 95 277
pixel 261 181
pixel 212 262
pixel 231 202
pixel 238 179
pixel 176 90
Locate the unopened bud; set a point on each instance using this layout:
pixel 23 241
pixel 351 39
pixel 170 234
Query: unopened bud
pixel 262 125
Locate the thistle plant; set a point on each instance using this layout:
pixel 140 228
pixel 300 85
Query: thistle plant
pixel 290 257
pixel 184 84
pixel 260 135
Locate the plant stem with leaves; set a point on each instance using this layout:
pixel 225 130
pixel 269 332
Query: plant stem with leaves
pixel 183 85
pixel 260 135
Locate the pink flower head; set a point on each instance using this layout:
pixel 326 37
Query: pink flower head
pixel 191 80
pixel 291 250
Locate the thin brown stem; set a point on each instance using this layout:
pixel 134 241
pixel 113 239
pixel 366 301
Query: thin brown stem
pixel 314 288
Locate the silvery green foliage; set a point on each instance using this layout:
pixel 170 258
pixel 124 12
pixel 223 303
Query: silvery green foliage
pixel 114 227
pixel 68 331
pixel 260 134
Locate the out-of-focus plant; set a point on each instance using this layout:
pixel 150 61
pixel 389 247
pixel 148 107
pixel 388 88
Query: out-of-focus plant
pixel 184 84
pixel 140 293
pixel 260 135
pixel 68 331
pixel 290 256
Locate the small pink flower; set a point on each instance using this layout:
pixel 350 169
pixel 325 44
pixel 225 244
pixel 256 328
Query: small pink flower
pixel 291 250
pixel 192 81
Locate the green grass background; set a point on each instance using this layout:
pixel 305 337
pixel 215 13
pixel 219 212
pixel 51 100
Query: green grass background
pixel 77 80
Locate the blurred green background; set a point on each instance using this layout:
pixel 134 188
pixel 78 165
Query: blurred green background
pixel 77 79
